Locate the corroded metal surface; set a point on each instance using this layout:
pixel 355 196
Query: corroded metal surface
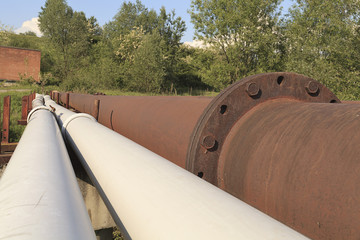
pixel 24 110
pixel 160 123
pixel 232 103
pixel 6 120
pixel 299 163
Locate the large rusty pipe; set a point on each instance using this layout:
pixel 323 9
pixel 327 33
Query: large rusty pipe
pixel 280 141
pixel 160 123
pixel 299 162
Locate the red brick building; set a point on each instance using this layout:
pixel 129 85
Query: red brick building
pixel 16 62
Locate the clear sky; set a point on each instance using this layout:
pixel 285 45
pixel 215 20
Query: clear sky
pixel 18 13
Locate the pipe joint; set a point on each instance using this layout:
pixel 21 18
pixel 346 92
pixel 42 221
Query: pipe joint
pixel 34 110
pixel 71 118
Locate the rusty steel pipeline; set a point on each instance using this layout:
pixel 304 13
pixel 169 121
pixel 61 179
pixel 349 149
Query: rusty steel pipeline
pixel 160 123
pixel 281 142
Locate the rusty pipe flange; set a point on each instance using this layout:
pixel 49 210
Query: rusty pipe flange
pixel 232 103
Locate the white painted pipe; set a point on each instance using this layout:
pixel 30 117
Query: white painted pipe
pixel 152 198
pixel 39 195
pixel 38 101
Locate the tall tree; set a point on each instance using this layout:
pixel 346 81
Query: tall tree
pixel 171 29
pixel 135 26
pixel 69 35
pixel 243 34
pixel 131 15
pixel 146 72
pixel 321 42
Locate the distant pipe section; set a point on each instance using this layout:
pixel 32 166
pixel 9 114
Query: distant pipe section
pixel 152 198
pixel 38 101
pixel 147 120
pixel 39 195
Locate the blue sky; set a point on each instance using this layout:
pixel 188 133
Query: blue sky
pixel 15 13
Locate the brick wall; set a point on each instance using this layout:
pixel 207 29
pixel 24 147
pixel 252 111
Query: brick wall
pixel 16 61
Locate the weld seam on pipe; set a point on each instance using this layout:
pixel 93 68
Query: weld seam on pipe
pixel 72 117
pixel 38 101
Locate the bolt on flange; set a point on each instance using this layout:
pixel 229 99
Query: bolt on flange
pixel 208 142
pixel 312 87
pixel 252 89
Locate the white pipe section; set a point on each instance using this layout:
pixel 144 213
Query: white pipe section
pixel 39 195
pixel 152 198
pixel 38 101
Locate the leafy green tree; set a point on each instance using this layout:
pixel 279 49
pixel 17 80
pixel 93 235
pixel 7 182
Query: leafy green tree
pixel 189 66
pixel 322 42
pixel 4 34
pixel 94 30
pixel 134 26
pixel 208 69
pixel 138 50
pixel 130 16
pixel 145 72
pixel 70 35
pixel 126 45
pixel 171 29
pixel 24 40
pixel 244 36
pixel 29 33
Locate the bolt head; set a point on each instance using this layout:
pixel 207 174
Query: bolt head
pixel 312 87
pixel 208 142
pixel 252 89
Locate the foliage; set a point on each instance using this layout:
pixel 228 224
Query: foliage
pixel 141 49
pixel 145 72
pixel 126 45
pixel 322 42
pixel 70 35
pixel 23 41
pixel 26 80
pixel 146 47
pixel 243 35
pixel 4 34
pixel 130 16
pixel 170 27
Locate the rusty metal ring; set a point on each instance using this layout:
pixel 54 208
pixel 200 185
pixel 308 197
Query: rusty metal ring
pixel 232 103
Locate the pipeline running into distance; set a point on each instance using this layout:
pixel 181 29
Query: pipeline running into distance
pixel 39 194
pixel 151 198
